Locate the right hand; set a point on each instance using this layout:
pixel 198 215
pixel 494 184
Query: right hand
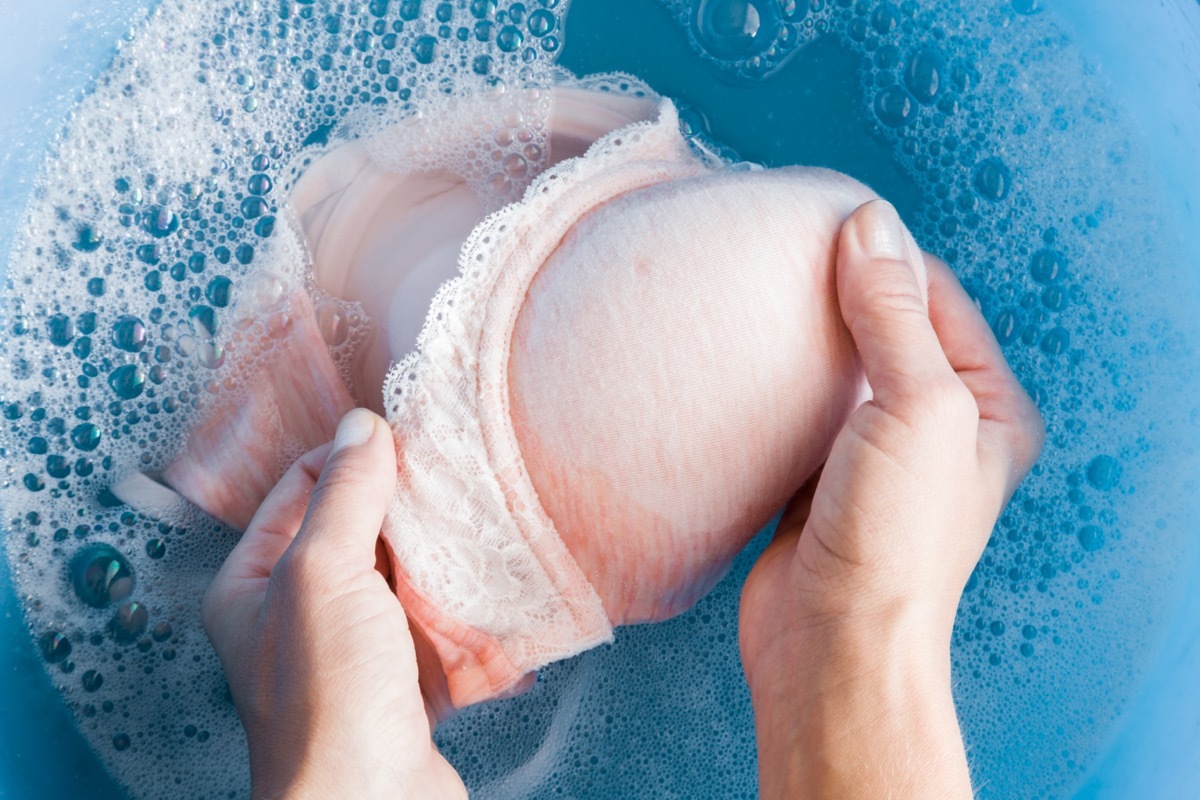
pixel 864 576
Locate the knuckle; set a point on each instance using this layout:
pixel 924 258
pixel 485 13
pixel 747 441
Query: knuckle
pixel 892 291
pixel 946 403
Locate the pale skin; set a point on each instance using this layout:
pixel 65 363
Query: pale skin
pixel 845 620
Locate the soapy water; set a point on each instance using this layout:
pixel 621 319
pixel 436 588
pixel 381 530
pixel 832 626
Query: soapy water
pixel 157 242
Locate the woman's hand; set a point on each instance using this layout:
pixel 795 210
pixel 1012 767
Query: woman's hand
pixel 846 618
pixel 315 646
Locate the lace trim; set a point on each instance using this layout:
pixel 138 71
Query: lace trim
pixel 467 526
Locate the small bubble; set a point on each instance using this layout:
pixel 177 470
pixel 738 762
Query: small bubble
pixel 993 179
pixel 61 330
pixel 86 436
pixel 736 29
pixel 121 741
pixel 1104 472
pixel 91 680
pixel 219 291
pixel 510 38
pixel 130 621
pixel 424 49
pixel 1091 538
pixel 542 22
pixel 332 323
pixel 100 575
pixel 259 184
pixel 129 333
pixel 156 548
pixel 1056 341
pixel 204 320
pixel 87 239
pixel 923 75
pixel 54 646
pixel 159 222
pixel 127 381
pixel 895 107
pixel 885 18
pixel 162 631
pixel 1048 266
pixel 211 355
pixel 254 207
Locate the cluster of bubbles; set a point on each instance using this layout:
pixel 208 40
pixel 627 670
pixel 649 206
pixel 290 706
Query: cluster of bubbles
pixel 154 269
pixel 143 279
pixel 1016 152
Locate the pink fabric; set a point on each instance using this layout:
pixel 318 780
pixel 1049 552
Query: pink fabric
pixel 635 368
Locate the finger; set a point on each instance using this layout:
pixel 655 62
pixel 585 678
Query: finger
pixel 349 501
pixel 245 574
pixel 275 524
pixel 880 291
pixel 1011 430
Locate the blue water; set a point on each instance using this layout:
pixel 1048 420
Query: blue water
pixel 663 712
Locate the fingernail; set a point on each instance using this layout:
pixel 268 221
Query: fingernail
pixel 881 233
pixel 355 429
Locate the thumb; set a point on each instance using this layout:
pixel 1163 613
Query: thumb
pixel 350 499
pixel 881 291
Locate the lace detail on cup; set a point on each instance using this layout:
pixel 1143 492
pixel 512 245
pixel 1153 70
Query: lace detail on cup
pixel 466 526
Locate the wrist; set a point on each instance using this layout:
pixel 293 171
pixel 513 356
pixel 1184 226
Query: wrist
pixel 861 708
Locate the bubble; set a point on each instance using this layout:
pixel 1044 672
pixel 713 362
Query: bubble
pixel 884 19
pixel 127 381
pixel 129 333
pixel 87 239
pixel 1104 472
pixel 160 222
pixel 91 680
pixel 1027 7
pixel 86 436
pixel 1048 266
pixel 219 291
pixel 96 287
pixel 734 29
pixel 1091 538
pixel 211 355
pixel 61 330
pixel 254 207
pixel 424 49
pixel 483 9
pixel 162 631
pixel 1056 341
pixel 510 38
pixel 129 622
pixel 895 107
pixel 924 74
pixel 542 22
pixel 259 184
pixel 156 548
pixel 100 575
pixel 993 179
pixel 332 322
pixel 121 741
pixel 204 319
pixel 54 646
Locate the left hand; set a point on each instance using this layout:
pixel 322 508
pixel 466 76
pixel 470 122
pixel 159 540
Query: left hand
pixel 315 645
